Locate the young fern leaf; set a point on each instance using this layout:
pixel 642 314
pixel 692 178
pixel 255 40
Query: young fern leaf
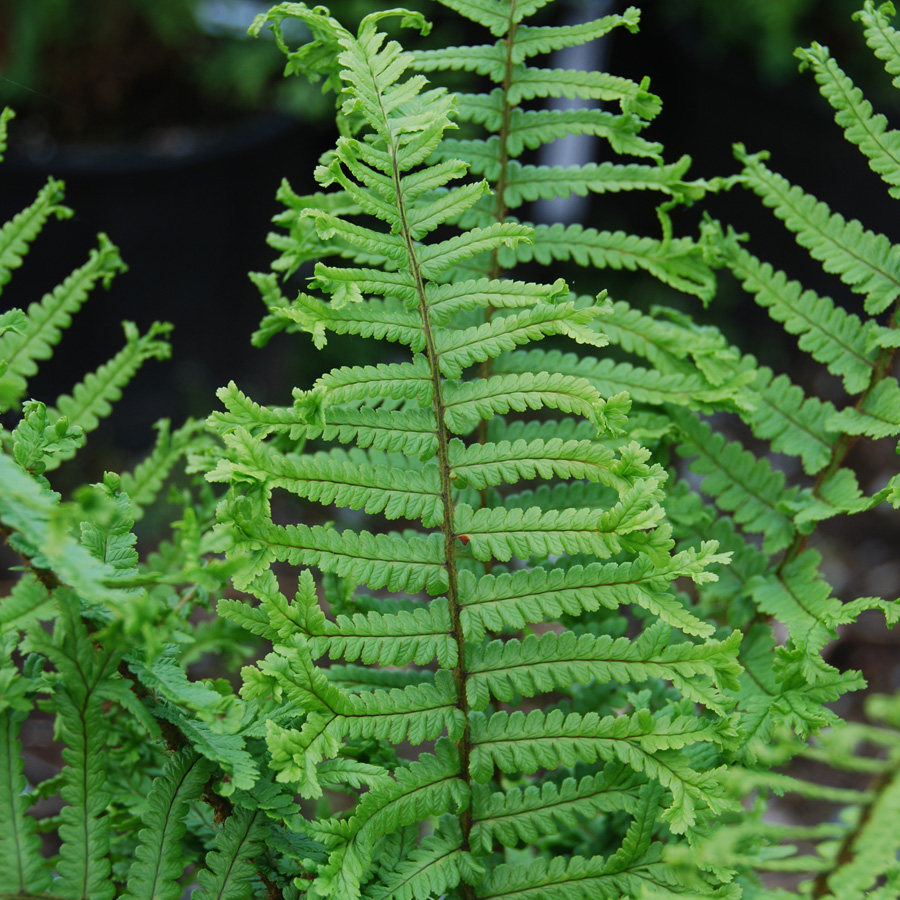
pixel 424 274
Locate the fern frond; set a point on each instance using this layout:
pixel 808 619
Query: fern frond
pixel 159 858
pixel 91 399
pixel 881 36
pixel 6 114
pixel 18 233
pixel 853 113
pixel 865 261
pixel 78 696
pixel 229 867
pixel 143 484
pixel 47 319
pixel 835 338
pixel 22 868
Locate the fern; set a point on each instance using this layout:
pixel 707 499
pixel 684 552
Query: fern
pixel 437 447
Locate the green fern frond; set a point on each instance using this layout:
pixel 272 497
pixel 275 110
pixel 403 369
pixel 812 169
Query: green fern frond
pixel 159 858
pixel 881 36
pixel 22 868
pixel 865 261
pixel 6 114
pixel 835 338
pixel 91 399
pixel 47 319
pixel 19 232
pixel 440 439
pixel 78 696
pixel 433 867
pixel 853 113
pixel 143 484
pixel 229 867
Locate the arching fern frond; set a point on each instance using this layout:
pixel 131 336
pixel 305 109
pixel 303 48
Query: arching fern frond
pixel 441 433
pixel 867 262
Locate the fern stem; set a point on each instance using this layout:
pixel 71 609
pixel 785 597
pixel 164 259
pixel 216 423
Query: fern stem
pixel 845 853
pixel 846 442
pixel 443 458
